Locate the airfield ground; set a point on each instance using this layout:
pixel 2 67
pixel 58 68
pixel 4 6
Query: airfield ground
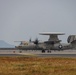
pixel 37 66
pixel 36 63
pixel 29 53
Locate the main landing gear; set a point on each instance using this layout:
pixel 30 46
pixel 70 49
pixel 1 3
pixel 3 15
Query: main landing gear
pixel 43 51
pixel 48 51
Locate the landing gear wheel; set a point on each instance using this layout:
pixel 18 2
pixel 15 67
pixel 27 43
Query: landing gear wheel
pixel 43 51
pixel 20 51
pixel 49 51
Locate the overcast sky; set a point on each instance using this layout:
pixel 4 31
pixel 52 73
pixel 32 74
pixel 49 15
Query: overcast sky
pixel 24 19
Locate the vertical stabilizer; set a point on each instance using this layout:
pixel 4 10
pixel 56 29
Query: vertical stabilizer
pixel 72 39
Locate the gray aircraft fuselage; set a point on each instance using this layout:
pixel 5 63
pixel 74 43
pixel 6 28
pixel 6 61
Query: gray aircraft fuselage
pixel 45 46
pixel 53 43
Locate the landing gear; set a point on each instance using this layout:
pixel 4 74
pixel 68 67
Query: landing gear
pixel 20 51
pixel 43 51
pixel 49 51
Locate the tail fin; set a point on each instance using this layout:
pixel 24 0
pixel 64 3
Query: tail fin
pixel 72 39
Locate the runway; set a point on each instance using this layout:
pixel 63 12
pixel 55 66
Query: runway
pixel 58 55
pixel 40 55
pixel 30 53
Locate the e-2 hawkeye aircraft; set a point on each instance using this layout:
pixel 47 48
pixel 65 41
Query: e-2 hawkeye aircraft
pixel 53 43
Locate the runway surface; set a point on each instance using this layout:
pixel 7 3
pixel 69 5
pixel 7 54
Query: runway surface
pixel 40 55
pixel 30 53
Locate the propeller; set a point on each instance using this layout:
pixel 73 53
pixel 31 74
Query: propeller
pixel 30 40
pixel 36 41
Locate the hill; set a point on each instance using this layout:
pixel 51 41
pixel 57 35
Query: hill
pixel 3 44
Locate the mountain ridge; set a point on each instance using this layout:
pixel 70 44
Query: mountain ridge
pixel 4 44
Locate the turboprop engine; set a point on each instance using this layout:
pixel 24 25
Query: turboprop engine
pixel 72 40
